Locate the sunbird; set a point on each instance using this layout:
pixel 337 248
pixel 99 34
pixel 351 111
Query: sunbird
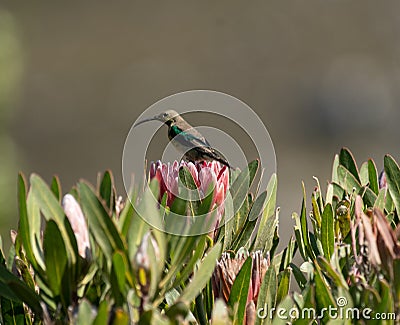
pixel 186 139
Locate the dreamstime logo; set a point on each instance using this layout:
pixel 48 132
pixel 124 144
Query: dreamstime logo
pixel 342 311
pixel 341 301
pixel 214 106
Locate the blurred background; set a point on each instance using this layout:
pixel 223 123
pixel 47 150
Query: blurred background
pixel 74 76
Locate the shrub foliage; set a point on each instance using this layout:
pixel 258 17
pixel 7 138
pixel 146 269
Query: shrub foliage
pixel 89 258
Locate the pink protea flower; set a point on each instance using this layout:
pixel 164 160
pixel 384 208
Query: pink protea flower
pixel 225 275
pixel 206 175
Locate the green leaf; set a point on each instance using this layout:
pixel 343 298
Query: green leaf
pixel 288 254
pixel 229 224
pixel 179 253
pixel 241 185
pixel 368 196
pixel 253 168
pixel 265 237
pixel 347 180
pixel 329 193
pixel 205 204
pixel 100 224
pixel 284 284
pixel 299 276
pixel 148 206
pixel 389 204
pixel 327 231
pixel 373 176
pixel 25 271
pixel 381 199
pixel 160 240
pixel 102 314
pixel 56 187
pixel 286 305
pixel 266 227
pixel 24 231
pixel 55 256
pixel 393 180
pixel 85 314
pixel 271 198
pixel 323 292
pixel 28 296
pixel 364 177
pixel 137 229
pixel 337 191
pixel 386 305
pixel 350 183
pixel 239 292
pixel 125 218
pixel 155 271
pixel 316 245
pixel 34 219
pixel 118 277
pixel 258 206
pixel 304 227
pixel 5 290
pixel 189 268
pixel 316 214
pixel 106 190
pixel 317 194
pixel 334 275
pixel 335 177
pixel 179 310
pixel 246 237
pixel 185 176
pixel 74 245
pixel 51 209
pixel 11 312
pixel 299 236
pixel 347 160
pixel 396 280
pixel 202 276
pixel 46 200
pixel 241 217
pixel 188 189
pixel 309 304
pixel 14 289
pixel 267 295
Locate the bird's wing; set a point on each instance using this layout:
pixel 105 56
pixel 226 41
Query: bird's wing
pixel 192 139
pixel 199 137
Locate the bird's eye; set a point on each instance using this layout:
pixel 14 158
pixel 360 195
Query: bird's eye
pixel 165 114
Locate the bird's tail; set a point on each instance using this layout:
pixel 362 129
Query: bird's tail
pixel 216 155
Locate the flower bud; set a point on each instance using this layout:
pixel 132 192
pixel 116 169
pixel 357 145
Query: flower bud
pixel 78 223
pixel 141 262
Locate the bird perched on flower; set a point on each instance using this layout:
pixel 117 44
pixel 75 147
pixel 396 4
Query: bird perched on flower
pixel 187 139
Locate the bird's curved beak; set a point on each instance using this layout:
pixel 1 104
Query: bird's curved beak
pixel 155 118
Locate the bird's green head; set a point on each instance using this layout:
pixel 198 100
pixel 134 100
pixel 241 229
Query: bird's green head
pixel 168 117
